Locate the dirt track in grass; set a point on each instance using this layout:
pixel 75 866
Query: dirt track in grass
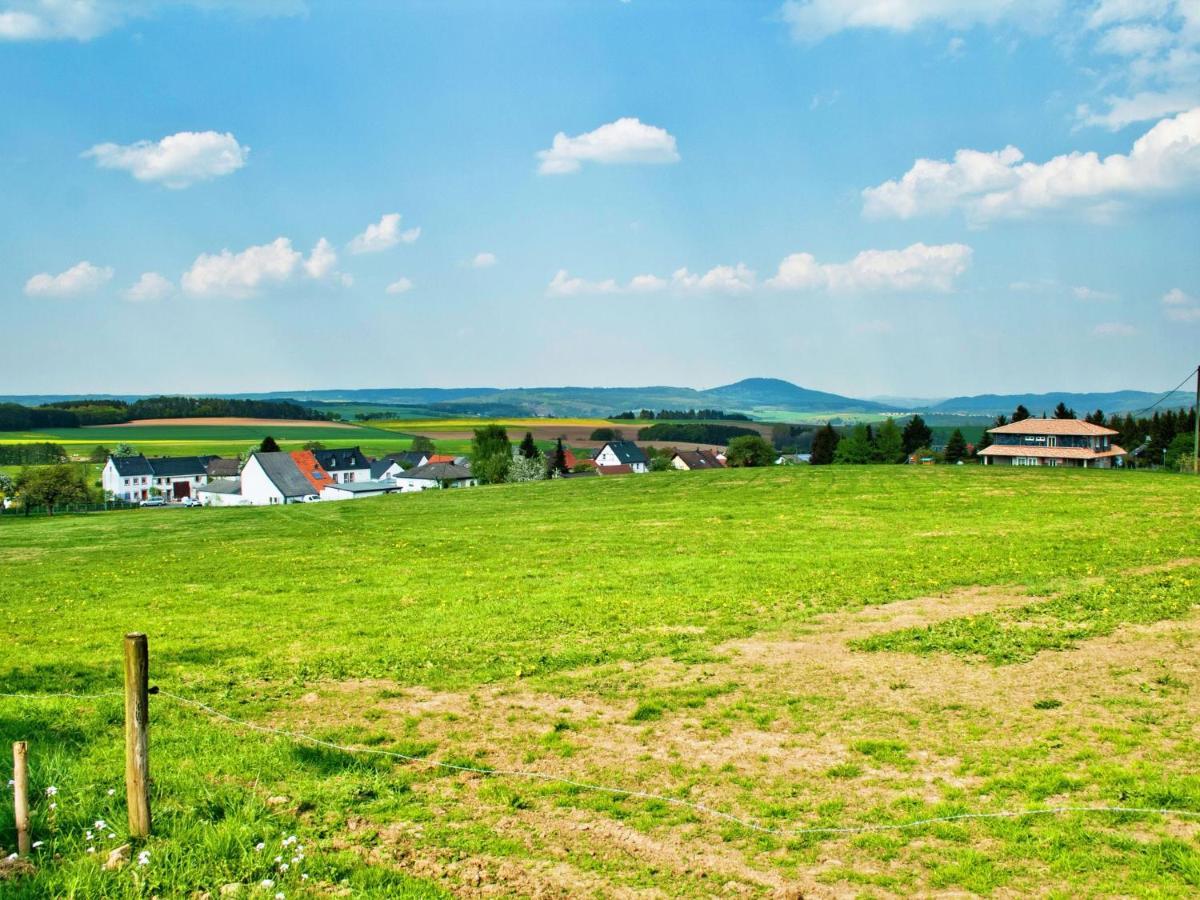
pixel 786 730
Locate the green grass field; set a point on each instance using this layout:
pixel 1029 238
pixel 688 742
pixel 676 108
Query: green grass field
pixel 803 647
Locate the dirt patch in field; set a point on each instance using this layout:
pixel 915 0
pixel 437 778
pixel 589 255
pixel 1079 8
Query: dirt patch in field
pixel 782 732
pixel 230 420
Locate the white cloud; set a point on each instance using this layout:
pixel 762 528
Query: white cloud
pixel 151 286
pixel 1114 330
pixel 1083 292
pixel 1140 107
pixel 626 140
pixel 811 21
pixel 81 278
pixel 178 160
pixel 986 186
pixel 383 235
pixel 321 260
pixel 719 279
pixel 85 20
pixel 400 286
pixel 241 274
pixel 484 260
pixel 1180 306
pixel 917 267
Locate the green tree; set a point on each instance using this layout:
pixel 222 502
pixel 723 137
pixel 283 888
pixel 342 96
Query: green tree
pixel 268 445
pixel 313 445
pixel 1180 452
pixel 781 436
pixel 889 443
pixel 916 435
pixel 856 448
pixel 1020 414
pixel 824 445
pixel 956 447
pixel 749 450
pixel 53 486
pixel 558 462
pixel 1096 418
pixel 422 444
pixel 1062 411
pixel 526 468
pixel 491 454
pixel 604 434
pixel 99 454
pixel 124 450
pixel 8 487
pixel 528 448
pixel 646 414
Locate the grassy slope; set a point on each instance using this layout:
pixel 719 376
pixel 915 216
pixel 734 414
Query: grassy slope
pixel 559 585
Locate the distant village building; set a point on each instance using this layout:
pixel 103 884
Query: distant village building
pixel 274 478
pixel 137 477
pixel 222 468
pixel 622 453
pixel 1052 442
pixel 435 475
pixel 690 460
pixel 347 464
pixel 357 490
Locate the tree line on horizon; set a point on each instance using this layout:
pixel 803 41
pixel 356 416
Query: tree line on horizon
pixel 78 413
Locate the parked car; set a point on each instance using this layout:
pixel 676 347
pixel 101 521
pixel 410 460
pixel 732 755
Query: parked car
pixel 191 501
pixel 153 501
pixel 311 498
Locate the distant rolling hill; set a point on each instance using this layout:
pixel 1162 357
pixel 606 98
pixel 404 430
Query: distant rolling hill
pixel 1110 402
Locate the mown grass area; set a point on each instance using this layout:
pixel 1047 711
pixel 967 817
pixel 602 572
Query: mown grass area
pixel 692 634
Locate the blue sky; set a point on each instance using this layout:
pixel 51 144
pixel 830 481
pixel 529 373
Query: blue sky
pixel 860 196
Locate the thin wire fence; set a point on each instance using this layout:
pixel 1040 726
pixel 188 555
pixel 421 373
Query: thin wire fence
pixel 678 802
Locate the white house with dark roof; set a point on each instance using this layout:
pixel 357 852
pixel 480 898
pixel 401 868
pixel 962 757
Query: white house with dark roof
pixel 623 453
pixel 269 479
pixel 136 477
pixel 435 475
pixel 345 464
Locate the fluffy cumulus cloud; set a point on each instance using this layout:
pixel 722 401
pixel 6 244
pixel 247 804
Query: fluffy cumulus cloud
pixel 383 234
pixel 917 267
pixel 1000 184
pixel 1083 292
pixel 400 286
pixel 178 160
pixel 1180 306
pixel 814 20
pixel 81 278
pixel 151 286
pixel 484 260
pixel 84 20
pixel 626 140
pixel 717 280
pixel 244 274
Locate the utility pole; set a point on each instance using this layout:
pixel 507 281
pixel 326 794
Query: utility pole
pixel 1196 435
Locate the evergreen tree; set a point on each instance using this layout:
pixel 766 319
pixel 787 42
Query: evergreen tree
pixel 528 448
pixel 856 448
pixel 889 444
pixel 956 447
pixel 1096 418
pixel 558 464
pixel 1020 414
pixel 1062 411
pixel 268 445
pixel 824 445
pixel 916 435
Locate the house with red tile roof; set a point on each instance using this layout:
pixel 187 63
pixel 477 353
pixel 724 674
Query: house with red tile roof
pixel 1052 442
pixel 312 470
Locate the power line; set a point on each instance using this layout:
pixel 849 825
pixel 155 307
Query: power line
pixel 1190 375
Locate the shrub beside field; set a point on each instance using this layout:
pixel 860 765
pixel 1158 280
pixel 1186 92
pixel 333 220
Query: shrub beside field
pixel 798 647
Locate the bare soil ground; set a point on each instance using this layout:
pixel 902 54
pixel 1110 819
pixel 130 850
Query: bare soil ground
pixel 229 420
pixel 783 730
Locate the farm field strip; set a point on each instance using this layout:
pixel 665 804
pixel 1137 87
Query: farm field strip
pixel 705 647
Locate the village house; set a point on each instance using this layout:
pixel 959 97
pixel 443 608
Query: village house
pixel 435 475
pixel 357 490
pixel 221 492
pixel 137 478
pixel 222 468
pixel 347 464
pixel 385 469
pixel 622 453
pixel 409 459
pixel 1052 442
pixel 313 471
pixel 274 478
pixel 691 460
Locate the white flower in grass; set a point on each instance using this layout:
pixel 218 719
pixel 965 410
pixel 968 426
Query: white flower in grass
pixel 11 783
pixel 279 896
pixel 283 867
pixel 112 836
pixel 279 859
pixel 304 876
pixel 268 883
pixel 51 791
pixel 37 844
pixel 258 848
pixel 54 806
pixel 10 857
pixel 144 858
pixel 91 849
pixel 100 824
pixel 112 791
pixel 88 835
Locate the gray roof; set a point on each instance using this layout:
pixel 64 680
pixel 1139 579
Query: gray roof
pixel 408 459
pixel 438 472
pixel 219 467
pixel 341 460
pixel 627 452
pixel 379 466
pixel 132 465
pixel 281 469
pixel 178 466
pixel 363 487
pixel 221 487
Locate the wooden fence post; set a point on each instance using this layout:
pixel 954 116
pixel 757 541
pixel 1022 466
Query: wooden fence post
pixel 137 737
pixel 21 796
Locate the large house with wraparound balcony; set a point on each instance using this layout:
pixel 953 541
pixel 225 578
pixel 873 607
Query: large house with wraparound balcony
pixel 1052 442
